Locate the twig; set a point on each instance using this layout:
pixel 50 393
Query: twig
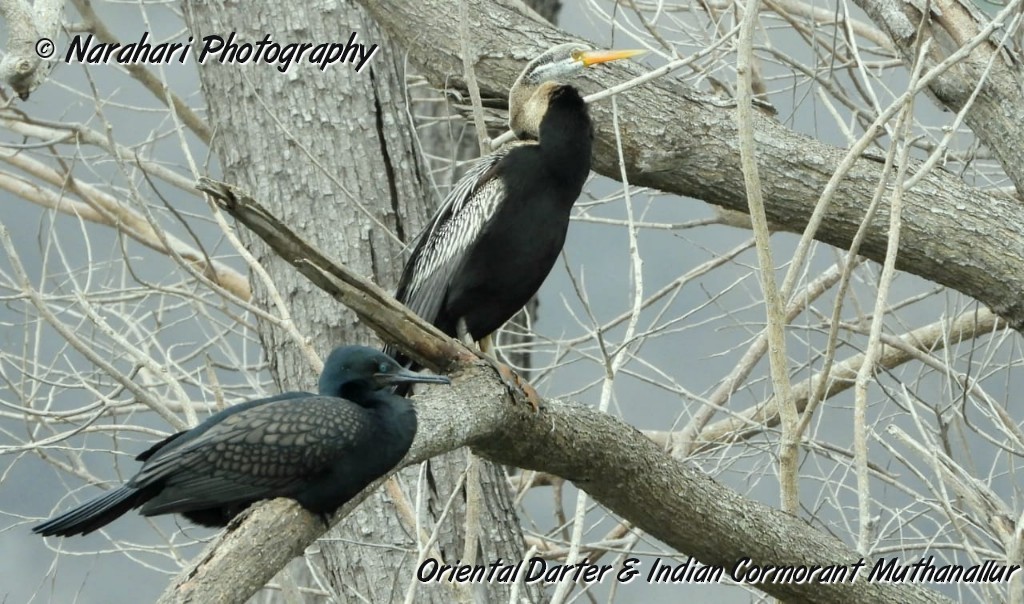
pixel 788 447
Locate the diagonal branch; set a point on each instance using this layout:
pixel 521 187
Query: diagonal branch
pixel 610 460
pixel 987 83
pixel 147 78
pixel 896 351
pixel 423 342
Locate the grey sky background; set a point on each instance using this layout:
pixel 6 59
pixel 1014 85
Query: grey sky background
pixel 722 311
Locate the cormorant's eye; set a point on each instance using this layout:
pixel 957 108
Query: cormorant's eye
pixel 384 367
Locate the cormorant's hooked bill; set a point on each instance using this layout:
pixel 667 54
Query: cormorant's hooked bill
pixel 497 235
pixel 319 449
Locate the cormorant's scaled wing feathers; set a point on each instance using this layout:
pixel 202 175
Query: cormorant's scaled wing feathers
pixel 258 453
pixel 442 246
pixel 170 443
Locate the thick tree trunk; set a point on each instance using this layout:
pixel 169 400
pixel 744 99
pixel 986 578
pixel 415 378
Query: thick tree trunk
pixel 334 154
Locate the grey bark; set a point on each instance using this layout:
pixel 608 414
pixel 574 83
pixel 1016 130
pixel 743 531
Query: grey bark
pixel 681 141
pixel 996 115
pixel 614 462
pixel 285 136
pixel 27 25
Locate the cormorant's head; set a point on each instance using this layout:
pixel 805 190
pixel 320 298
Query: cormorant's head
pixel 354 371
pixel 528 97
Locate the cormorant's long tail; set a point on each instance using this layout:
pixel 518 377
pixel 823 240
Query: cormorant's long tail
pixel 95 514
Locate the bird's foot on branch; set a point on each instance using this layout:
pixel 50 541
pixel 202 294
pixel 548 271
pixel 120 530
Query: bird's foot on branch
pixel 519 388
pixel 462 333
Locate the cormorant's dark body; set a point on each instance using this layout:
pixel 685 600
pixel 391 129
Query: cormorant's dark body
pixel 516 247
pixel 319 449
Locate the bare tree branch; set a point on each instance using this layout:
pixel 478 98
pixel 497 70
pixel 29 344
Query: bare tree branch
pixel 895 352
pixel 682 141
pixel 31 32
pixel 400 325
pixel 612 461
pixel 112 344
pixel 996 112
pixel 188 116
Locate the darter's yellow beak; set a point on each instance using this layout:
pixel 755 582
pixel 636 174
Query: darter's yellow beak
pixel 594 57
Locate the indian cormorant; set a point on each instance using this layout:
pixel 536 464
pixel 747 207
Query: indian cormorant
pixel 497 235
pixel 319 449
